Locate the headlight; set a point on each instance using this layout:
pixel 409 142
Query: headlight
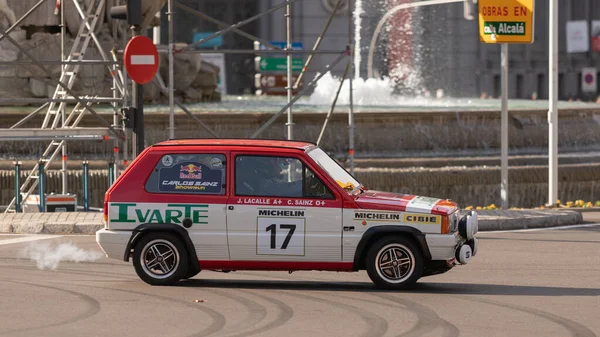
pixel 454 221
pixel 474 222
pixel 468 225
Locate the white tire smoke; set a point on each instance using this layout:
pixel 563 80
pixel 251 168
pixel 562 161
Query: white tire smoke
pixel 48 256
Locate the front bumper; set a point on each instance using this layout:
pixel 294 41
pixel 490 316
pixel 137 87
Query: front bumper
pixel 113 243
pixel 451 246
pixel 460 246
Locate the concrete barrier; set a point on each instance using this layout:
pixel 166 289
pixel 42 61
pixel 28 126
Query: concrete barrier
pixel 51 223
pixel 480 186
pixel 378 134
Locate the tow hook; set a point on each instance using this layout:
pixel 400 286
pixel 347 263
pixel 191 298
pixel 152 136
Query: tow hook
pixel 464 254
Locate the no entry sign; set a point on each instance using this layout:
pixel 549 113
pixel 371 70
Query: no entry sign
pixel 141 59
pixel 589 82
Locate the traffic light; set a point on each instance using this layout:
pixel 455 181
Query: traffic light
pixel 133 116
pixel 132 12
pixel 470 8
pixel 128 117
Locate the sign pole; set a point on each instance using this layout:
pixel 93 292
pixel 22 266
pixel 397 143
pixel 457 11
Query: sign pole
pixel 504 22
pixel 138 104
pixel 171 74
pixel 504 128
pixel 553 101
pixel 141 63
pixel 134 136
pixel 288 19
pixel 140 119
pixel 352 35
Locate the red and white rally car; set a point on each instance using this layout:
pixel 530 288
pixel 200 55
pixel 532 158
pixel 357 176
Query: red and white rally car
pixel 239 204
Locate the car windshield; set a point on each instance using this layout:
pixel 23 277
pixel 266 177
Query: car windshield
pixel 335 170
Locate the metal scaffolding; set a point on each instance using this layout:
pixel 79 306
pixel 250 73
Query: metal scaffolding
pixel 61 124
pixel 291 99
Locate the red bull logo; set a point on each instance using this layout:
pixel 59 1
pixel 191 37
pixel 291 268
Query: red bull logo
pixel 190 171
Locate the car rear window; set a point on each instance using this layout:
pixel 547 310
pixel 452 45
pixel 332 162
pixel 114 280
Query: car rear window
pixel 188 174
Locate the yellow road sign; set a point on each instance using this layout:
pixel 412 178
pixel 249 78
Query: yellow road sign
pixel 506 21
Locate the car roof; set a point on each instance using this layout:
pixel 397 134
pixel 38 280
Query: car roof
pixel 291 144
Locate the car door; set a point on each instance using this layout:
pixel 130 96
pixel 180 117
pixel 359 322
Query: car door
pixel 279 210
pixel 190 187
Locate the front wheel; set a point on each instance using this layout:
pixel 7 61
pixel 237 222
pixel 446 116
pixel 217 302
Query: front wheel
pixel 189 274
pixel 160 259
pixel 394 263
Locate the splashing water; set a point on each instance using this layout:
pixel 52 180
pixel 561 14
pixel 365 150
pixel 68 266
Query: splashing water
pixel 48 256
pixel 357 29
pixel 374 92
pixel 408 79
pixel 366 92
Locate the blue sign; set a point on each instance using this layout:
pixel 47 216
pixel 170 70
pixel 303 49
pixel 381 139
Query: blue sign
pixel 282 45
pixel 214 42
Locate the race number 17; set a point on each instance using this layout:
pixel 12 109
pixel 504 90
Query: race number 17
pixel 273 229
pixel 280 236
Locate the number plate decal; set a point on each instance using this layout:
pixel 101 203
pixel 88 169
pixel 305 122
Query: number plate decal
pixel 280 236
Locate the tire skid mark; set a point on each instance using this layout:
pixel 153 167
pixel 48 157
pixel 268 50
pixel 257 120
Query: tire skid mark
pixel 256 312
pixel 377 326
pixel 92 303
pixel 283 316
pixel 286 312
pixel 428 321
pixel 73 271
pixel 574 328
pixel 218 320
pixel 125 277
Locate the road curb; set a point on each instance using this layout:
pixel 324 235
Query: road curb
pixel 89 223
pixel 68 223
pixel 527 219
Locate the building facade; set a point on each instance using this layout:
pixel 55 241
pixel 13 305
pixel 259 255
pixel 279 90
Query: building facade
pixel 472 68
pixel 435 44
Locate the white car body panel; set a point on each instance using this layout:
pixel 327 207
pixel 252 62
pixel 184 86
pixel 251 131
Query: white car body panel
pixel 208 231
pixel 358 221
pixel 317 235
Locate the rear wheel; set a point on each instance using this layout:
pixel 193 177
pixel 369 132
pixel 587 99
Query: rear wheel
pixel 394 263
pixel 160 259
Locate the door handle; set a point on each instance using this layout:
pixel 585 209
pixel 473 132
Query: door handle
pixel 230 208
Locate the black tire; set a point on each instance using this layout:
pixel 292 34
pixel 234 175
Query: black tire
pixel 173 267
pixel 396 275
pixel 189 274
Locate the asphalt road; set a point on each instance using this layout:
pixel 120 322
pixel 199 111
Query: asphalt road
pixel 536 283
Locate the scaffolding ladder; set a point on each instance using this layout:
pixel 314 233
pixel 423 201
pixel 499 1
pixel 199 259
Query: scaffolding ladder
pixel 56 110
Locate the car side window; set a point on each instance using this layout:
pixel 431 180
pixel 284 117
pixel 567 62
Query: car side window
pixel 269 176
pixel 314 187
pixel 188 174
